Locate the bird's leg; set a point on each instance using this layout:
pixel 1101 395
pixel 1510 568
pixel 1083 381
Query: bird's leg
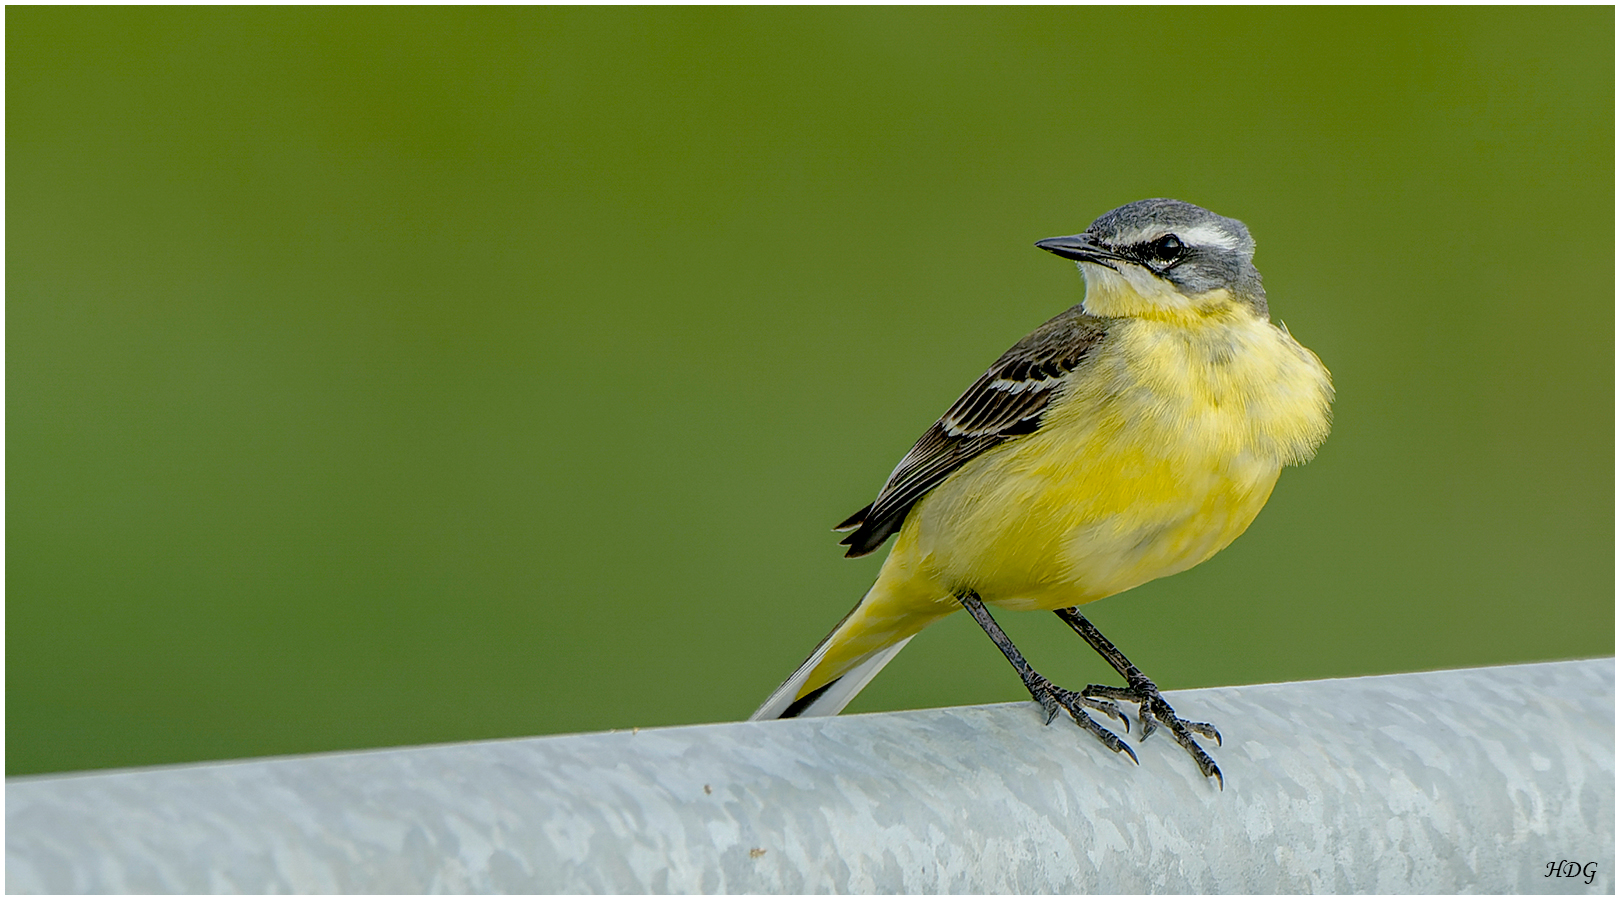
pixel 1048 695
pixel 1141 690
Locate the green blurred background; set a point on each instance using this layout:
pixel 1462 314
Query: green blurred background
pixel 383 377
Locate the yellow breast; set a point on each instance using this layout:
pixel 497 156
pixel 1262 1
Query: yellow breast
pixel 1160 451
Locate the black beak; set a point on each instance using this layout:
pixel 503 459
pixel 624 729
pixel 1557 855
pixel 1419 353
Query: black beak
pixel 1078 247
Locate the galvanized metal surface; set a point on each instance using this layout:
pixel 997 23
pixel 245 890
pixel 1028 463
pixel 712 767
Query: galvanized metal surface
pixel 1471 780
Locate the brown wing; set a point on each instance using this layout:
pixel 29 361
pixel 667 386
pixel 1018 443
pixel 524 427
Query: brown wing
pixel 1006 401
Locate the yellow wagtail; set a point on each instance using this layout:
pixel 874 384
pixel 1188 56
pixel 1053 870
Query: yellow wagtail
pixel 1129 438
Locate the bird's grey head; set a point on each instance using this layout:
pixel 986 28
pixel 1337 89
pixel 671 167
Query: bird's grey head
pixel 1164 255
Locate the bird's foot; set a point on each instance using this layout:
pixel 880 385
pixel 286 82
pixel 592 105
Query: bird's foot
pixel 1150 706
pixel 1053 699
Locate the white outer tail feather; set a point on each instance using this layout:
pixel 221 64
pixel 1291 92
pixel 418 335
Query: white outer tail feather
pixel 837 696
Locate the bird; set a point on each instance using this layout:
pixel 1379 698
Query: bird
pixel 1131 437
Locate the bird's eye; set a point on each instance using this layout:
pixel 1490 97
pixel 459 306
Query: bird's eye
pixel 1166 249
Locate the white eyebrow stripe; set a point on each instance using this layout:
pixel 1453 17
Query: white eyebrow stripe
pixel 1209 236
pixel 1127 238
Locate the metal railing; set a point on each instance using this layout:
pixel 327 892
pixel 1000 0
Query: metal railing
pixel 1477 780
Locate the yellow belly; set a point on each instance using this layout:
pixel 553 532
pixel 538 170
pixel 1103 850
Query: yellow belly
pixel 1153 461
pixel 1159 453
pixel 1054 529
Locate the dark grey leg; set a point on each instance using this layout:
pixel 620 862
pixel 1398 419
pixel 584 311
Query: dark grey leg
pixel 1144 693
pixel 1051 697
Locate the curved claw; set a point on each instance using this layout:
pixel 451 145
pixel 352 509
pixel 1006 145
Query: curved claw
pixel 1148 725
pixel 1049 704
pixel 1205 729
pixel 1119 746
pixel 1053 698
pixel 1109 739
pixel 1106 707
pixel 1152 711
